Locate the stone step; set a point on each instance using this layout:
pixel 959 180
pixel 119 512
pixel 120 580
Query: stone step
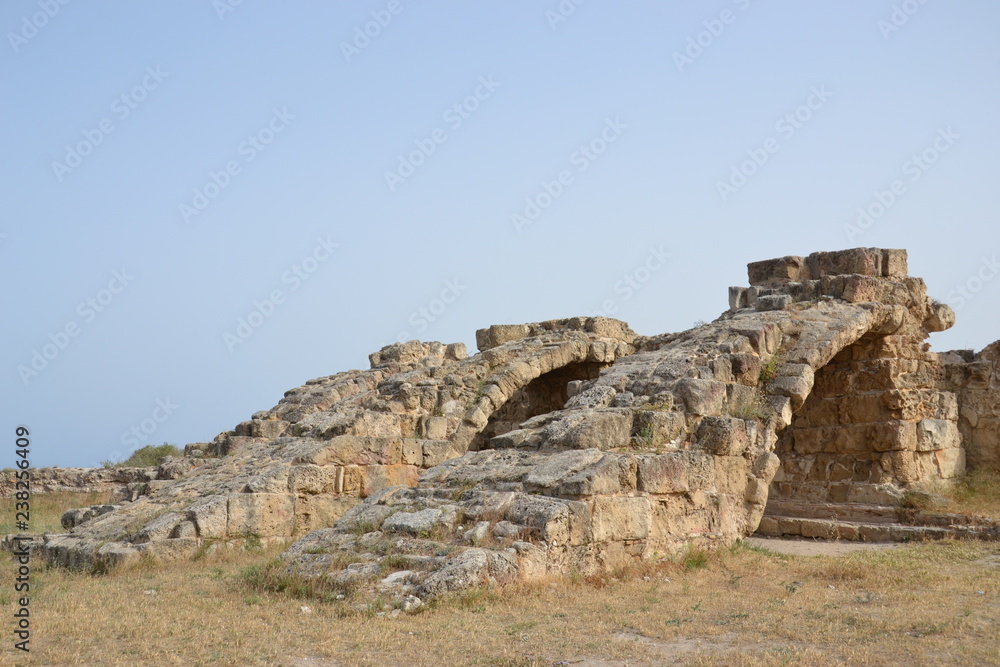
pixel 836 529
pixel 856 512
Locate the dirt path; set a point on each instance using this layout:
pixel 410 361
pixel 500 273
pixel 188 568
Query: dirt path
pixel 808 547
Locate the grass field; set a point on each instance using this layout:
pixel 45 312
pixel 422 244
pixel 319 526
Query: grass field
pixel 918 604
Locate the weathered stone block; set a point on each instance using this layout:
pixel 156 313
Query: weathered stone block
pixel 316 479
pixel 613 474
pixel 621 518
pixel 262 514
pixel 702 397
pixel 378 477
pixel 665 473
pixel 659 425
pixel 777 271
pixel 937 434
pixel 722 436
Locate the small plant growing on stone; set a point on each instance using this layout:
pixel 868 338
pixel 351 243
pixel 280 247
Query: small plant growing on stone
pixel 751 406
pixel 644 439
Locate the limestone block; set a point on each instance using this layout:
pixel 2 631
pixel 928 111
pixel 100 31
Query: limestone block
pixel 722 436
pixel 612 474
pixel 600 429
pixel 607 327
pixel 756 491
pixel 413 452
pixel 665 473
pixel 904 466
pixel 621 518
pixel 321 511
pixel 436 428
pixel 455 351
pixel 765 466
pixel 210 516
pixel 773 302
pixel 263 514
pixel 700 468
pixel 356 450
pixel 937 434
pixel 942 318
pixel 272 428
pixel 894 263
pixel 893 436
pixel 314 479
pixel 559 522
pixel 731 474
pixel 737 298
pixel 796 388
pixel 378 477
pixel 777 271
pixel 159 528
pixel 436 452
pixel 413 523
pixel 950 462
pixel 702 397
pixel 746 368
pixel 862 261
pixel 498 334
pixel 659 425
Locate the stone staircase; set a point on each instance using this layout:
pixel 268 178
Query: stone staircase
pixel 868 523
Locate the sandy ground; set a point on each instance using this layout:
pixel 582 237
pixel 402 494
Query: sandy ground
pixel 809 547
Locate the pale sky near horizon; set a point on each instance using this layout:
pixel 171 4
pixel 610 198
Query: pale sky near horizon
pixel 211 202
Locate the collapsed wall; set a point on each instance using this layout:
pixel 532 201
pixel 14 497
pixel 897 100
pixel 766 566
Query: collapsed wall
pixel 326 445
pixel 574 444
pixel 975 379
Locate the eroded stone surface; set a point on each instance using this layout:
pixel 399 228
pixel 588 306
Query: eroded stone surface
pixel 574 444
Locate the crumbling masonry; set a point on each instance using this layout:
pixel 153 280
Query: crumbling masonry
pixel 577 445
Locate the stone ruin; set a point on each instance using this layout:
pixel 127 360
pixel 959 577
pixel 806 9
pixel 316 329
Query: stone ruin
pixel 577 445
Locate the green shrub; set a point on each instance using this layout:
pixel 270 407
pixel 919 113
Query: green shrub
pixel 150 455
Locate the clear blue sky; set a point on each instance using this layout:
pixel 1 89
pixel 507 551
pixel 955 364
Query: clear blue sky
pixel 167 165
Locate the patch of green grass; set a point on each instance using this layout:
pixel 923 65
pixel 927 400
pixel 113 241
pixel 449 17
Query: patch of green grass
pixel 272 577
pixel 144 457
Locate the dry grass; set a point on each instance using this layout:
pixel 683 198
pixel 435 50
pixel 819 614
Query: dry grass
pixel 977 493
pixel 47 510
pixel 920 604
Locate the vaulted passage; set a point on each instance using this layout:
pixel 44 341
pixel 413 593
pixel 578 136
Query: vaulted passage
pixel 544 394
pixel 874 423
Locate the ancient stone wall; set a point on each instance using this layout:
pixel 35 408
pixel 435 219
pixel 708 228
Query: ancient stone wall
pixel 574 444
pixel 121 483
pixel 975 378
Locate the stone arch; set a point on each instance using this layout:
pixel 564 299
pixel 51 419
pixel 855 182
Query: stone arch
pixel 867 417
pixel 531 366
